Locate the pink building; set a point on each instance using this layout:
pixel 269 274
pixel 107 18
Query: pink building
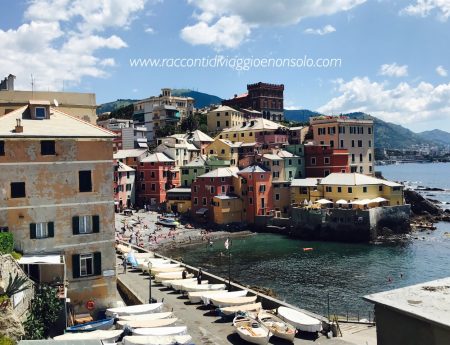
pixel 124 186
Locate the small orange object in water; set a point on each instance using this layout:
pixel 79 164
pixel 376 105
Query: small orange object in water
pixel 307 249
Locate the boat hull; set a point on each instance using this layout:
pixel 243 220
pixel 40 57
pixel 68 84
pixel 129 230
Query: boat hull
pixel 300 320
pixel 104 324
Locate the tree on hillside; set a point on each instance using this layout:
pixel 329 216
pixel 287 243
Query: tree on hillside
pixel 167 130
pixel 123 113
pixel 189 123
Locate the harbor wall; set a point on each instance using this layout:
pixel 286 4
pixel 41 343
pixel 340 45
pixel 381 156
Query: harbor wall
pixel 266 301
pixel 349 225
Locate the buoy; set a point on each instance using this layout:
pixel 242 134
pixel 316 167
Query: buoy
pixel 307 249
pixel 90 305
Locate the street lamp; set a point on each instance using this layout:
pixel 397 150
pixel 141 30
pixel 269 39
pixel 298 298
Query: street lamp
pixel 149 265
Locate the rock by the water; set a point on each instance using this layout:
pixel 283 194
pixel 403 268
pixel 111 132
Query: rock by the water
pixel 420 205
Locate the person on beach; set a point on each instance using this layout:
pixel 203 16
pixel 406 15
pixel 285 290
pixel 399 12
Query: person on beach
pixel 124 264
pixel 199 276
pixel 184 274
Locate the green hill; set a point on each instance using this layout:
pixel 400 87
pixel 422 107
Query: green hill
pixel 111 106
pixel 436 135
pixel 201 99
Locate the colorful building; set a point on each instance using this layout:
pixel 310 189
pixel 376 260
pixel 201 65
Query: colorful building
pixel 223 117
pixel 263 97
pixel 225 150
pixel 259 130
pixel 178 148
pixel 178 200
pixel 56 198
pixel 199 166
pixel 124 188
pixel 256 192
pixel 297 135
pixel 354 135
pixel 199 139
pixel 227 209
pixel 320 161
pixel 205 187
pixel 131 157
pixel 157 174
pixel 305 191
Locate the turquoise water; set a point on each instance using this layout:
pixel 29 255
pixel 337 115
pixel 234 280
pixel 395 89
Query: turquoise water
pixel 344 271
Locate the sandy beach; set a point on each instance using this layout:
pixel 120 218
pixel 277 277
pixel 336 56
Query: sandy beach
pixel 141 229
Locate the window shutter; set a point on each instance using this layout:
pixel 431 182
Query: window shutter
pixel 76 265
pixel 96 223
pixel 76 225
pixel 32 230
pixel 97 263
pixel 51 229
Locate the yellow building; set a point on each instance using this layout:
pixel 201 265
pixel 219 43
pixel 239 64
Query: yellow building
pixel 227 209
pixel 254 130
pixel 348 190
pixel 178 200
pixel 224 150
pixel 281 198
pixel 223 117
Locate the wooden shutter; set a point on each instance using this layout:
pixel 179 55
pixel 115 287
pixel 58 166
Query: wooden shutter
pixel 32 230
pixel 76 225
pixel 76 265
pixel 97 263
pixel 51 229
pixel 96 223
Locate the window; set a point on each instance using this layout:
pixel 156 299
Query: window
pixel 326 173
pixel 84 265
pixel 380 188
pixel 360 143
pixel 349 190
pixel 331 143
pixel 364 189
pixel 153 187
pixel 85 224
pixel 41 230
pixel 227 123
pixel 211 152
pixel 143 186
pixel 250 201
pixel 369 130
pixel 223 189
pixel 2 148
pixel 326 160
pixel 195 201
pixel 262 188
pixel 204 201
pixel 339 189
pixel 370 143
pixel 85 181
pixel 39 112
pixel 353 158
pixel 313 160
pixel 370 157
pixel 353 143
pixel 360 157
pixel 361 170
pixel 218 123
pixel 342 144
pixel 275 174
pixel 277 196
pixel 370 168
pixel 290 162
pixel 328 189
pixel 128 187
pixel 222 151
pixel 17 189
pixel 212 189
pixel 195 189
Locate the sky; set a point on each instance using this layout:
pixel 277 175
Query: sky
pixel 390 59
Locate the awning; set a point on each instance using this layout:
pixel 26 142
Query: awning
pixel 143 145
pixel 379 199
pixel 41 259
pixel 342 201
pixel 361 202
pixel 324 201
pixel 202 211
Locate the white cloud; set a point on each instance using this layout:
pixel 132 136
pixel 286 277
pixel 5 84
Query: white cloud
pixel 61 39
pixel 227 32
pixel 327 29
pixel 256 13
pixel 150 31
pixel 394 70
pixel 402 104
pixel 441 71
pixel 423 8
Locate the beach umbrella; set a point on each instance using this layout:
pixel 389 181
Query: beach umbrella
pixel 342 202
pixel 379 199
pixel 323 201
pixel 305 202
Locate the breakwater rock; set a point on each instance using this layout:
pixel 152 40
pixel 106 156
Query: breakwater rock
pixel 421 206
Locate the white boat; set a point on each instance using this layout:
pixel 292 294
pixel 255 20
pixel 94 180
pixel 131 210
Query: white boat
pixel 171 276
pixel 104 336
pixel 166 269
pixel 146 323
pixel 204 287
pixel 134 309
pixel 196 296
pixel 229 311
pixel 142 263
pixel 277 326
pixel 206 298
pixel 177 330
pixel 222 302
pixel 157 340
pixel 300 320
pixel 145 255
pixel 251 330
pixel 181 283
pixel 168 283
pixel 123 249
pixel 145 317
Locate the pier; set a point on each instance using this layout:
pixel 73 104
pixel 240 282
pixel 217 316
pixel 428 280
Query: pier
pixel 206 327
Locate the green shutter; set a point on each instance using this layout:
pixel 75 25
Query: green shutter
pixel 51 229
pixel 76 266
pixel 96 223
pixel 32 231
pixel 97 263
pixel 76 225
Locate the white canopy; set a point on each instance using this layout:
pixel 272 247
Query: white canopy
pixel 305 202
pixel 342 201
pixel 361 202
pixel 41 259
pixel 379 199
pixel 324 201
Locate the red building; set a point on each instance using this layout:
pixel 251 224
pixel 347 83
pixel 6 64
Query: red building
pixel 263 97
pixel 205 187
pixel 156 174
pixel 256 192
pixel 320 161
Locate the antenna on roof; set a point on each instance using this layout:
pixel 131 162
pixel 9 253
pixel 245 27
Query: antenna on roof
pixel 32 85
pixel 56 103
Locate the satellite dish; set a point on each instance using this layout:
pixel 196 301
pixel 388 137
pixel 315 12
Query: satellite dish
pixel 56 103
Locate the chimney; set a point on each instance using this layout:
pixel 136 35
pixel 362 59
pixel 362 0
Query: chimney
pixel 19 127
pixel 10 82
